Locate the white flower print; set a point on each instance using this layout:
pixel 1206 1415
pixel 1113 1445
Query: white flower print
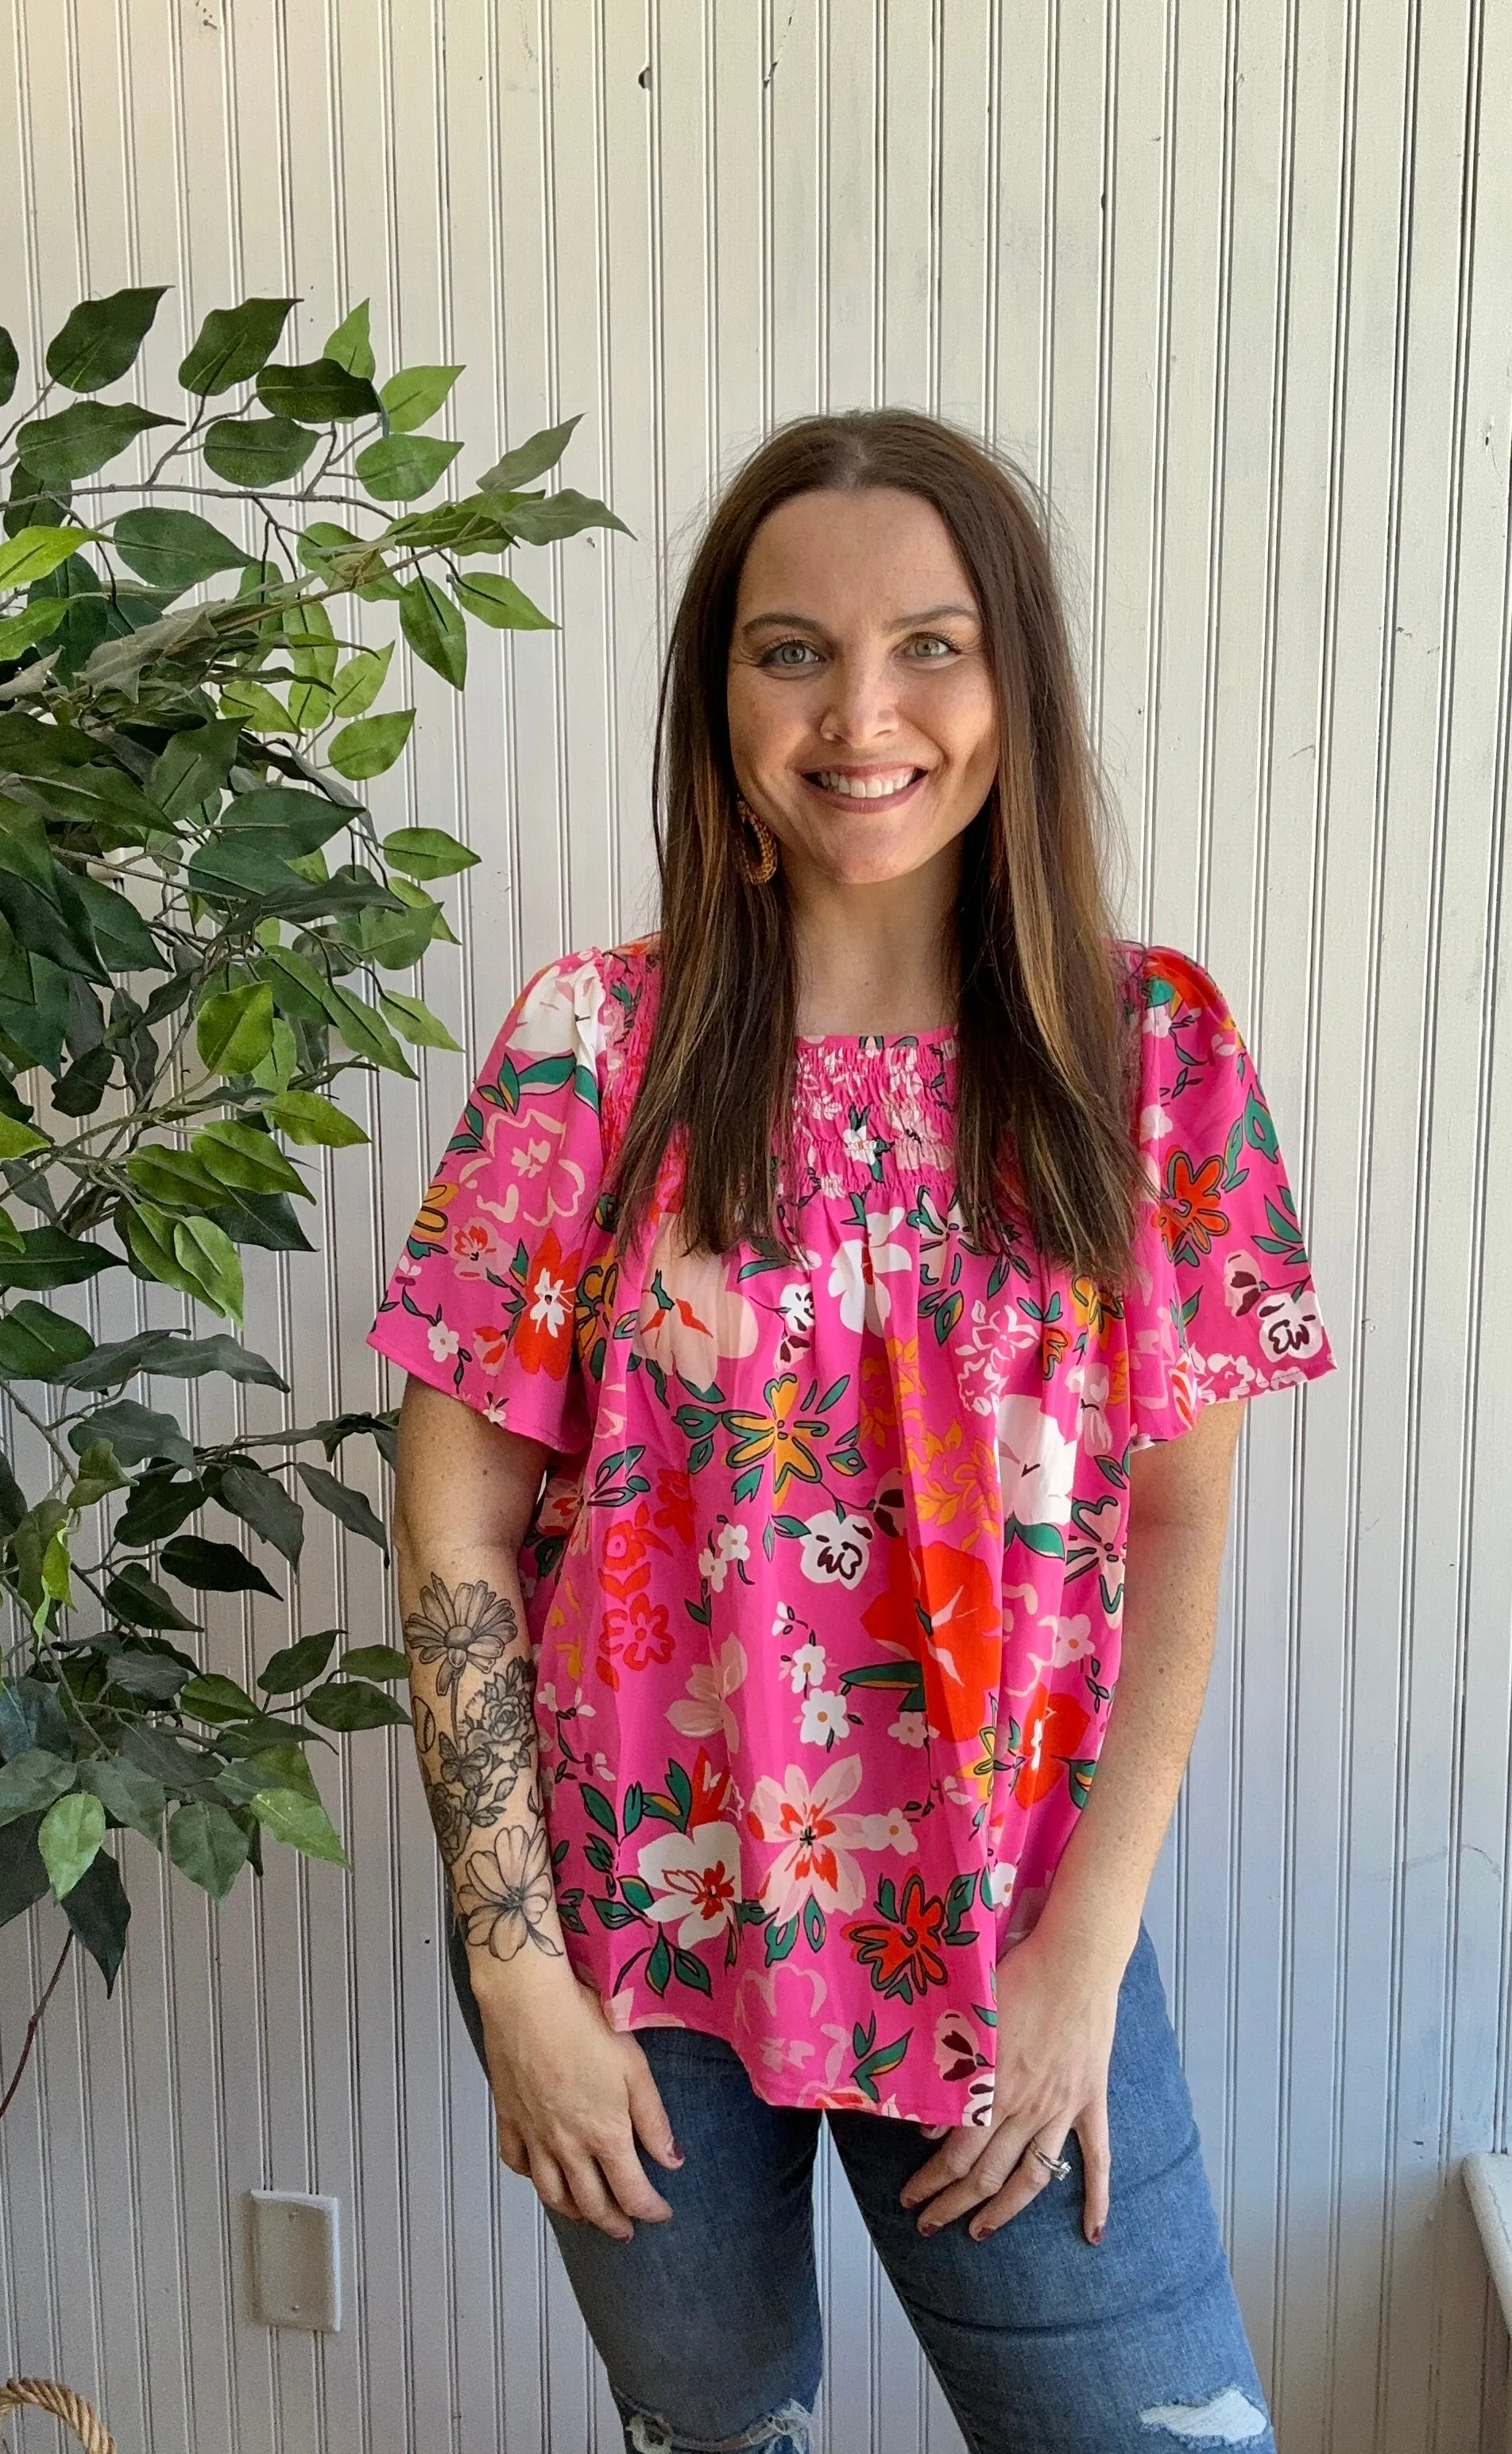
pixel 859 1144
pixel 836 1548
pixel 1154 1122
pixel 824 1719
pixel 727 1545
pixel 859 1271
pixel 711 1684
pixel 1035 1462
pixel 528 1158
pixel 1073 1642
pixel 910 1730
pixel 816 1839
pixel 560 1015
pixel 795 1303
pixel 806 1666
pixel 549 1310
pixel 443 1341
pixel 696 1876
pixel 891 1831
pixel 1288 1322
pixel 1091 1382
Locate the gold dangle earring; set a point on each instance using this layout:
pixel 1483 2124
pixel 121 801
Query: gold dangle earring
pixel 758 845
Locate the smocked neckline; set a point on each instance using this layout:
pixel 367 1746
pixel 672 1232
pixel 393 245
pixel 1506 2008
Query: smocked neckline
pixel 943 1037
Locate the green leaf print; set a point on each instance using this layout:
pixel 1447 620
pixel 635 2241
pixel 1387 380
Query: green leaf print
pixel 814 1924
pixel 780 1940
pixel 598 1805
pixel 658 1967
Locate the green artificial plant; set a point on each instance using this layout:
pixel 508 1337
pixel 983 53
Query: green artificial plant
pixel 197 918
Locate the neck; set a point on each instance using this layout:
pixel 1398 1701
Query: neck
pixel 878 958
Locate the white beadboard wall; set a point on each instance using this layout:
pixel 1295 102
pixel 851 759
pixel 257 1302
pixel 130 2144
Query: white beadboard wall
pixel 1233 279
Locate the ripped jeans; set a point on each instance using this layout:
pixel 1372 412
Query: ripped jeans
pixel 709 2325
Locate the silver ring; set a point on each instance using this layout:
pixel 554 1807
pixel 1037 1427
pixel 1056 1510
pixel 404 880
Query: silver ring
pixel 1055 2165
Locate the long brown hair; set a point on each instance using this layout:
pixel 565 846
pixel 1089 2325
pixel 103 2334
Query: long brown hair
pixel 1043 1123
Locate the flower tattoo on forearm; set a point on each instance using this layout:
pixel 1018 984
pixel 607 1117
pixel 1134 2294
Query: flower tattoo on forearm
pixel 477 1759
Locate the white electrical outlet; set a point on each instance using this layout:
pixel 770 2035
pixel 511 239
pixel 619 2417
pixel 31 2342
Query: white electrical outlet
pixel 293 2243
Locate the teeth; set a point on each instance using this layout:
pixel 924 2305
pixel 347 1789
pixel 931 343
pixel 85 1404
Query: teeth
pixel 867 787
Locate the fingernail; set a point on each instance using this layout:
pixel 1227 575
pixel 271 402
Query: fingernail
pixel 929 2230
pixel 983 2232
pixel 676 2153
pixel 1097 2235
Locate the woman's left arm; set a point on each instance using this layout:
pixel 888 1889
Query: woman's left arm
pixel 1058 1990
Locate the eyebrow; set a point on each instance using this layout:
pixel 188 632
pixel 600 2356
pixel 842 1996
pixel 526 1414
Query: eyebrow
pixel 905 622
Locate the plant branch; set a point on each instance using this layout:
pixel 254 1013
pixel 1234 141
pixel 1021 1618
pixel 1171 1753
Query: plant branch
pixel 35 2022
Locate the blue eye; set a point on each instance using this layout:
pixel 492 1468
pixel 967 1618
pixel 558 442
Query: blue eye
pixel 778 655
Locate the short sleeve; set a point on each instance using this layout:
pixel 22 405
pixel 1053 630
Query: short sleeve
pixel 1222 1303
pixel 481 1302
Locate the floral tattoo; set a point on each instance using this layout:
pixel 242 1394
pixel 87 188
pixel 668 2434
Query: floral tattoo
pixel 474 1763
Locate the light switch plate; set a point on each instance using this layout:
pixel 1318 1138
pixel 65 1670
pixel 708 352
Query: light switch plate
pixel 294 2259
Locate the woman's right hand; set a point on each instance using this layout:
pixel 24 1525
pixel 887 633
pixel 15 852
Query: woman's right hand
pixel 572 2095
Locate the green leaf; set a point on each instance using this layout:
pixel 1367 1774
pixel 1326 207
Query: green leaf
pixel 125 1791
pixel 365 1033
pixel 30 1782
pixel 351 344
pixel 415 393
pixel 25 630
pixel 97 1476
pixel 134 1432
pixel 99 1913
pixel 276 1767
pixel 379 1662
pixel 361 679
pixel 434 629
pixel 354 1512
pixel 301 1821
pixel 101 339
pixel 149 1234
pixel 255 706
pixel 39 1344
pixel 240 1155
pixel 195 767
pixel 494 598
pixel 81 439
pixel 298 1663
pixel 17 1139
pixel 414 1021
pixel 69 1838
pixel 174 550
pixel 234 1030
pixel 213 1567
pixel 32 554
pixel 137 1597
pixel 261 1501
pixel 303 1116
pixel 352 1704
pixel 211 1263
pixel 321 392
pixel 155 1674
pixel 518 467
pixel 49 1259
pixel 232 343
pixel 158 1505
pixel 399 467
pixel 370 746
pixel 10 365
pixel 172 1178
pixel 125 941
pixel 206 1846
pixel 559 516
pixel 427 851
pixel 214 1698
pixel 290 820
pixel 258 451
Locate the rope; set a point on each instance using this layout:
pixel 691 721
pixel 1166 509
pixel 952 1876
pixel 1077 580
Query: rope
pixel 64 2405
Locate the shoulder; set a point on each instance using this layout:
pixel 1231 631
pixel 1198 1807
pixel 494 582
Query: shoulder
pixel 1164 982
pixel 583 1003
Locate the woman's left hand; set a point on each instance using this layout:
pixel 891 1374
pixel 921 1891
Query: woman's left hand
pixel 1056 2010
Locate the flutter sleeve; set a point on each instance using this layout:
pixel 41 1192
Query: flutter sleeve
pixel 1222 1303
pixel 482 1298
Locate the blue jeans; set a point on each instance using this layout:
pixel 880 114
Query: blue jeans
pixel 709 2325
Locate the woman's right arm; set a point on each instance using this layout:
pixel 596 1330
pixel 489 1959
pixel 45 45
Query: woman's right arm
pixel 570 2094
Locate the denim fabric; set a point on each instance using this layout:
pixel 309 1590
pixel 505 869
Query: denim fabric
pixel 709 2325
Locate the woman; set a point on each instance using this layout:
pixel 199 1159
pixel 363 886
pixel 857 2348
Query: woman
pixel 824 1284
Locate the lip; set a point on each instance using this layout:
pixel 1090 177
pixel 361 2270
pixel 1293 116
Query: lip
pixel 882 801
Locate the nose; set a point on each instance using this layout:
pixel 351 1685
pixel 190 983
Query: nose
pixel 862 708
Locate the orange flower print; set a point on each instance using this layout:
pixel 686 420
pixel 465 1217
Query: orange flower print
pixel 475 1245
pixel 673 1510
pixel 1052 1734
pixel 490 1344
pixel 428 1235
pixel 1190 1216
pixel 543 1340
pixel 901 1946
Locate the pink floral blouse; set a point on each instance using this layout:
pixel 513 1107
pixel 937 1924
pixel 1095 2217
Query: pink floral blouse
pixel 827 1575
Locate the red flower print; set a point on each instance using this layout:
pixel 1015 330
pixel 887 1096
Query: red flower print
pixel 1190 1216
pixel 634 1634
pixel 490 1345
pixel 474 1245
pixel 675 1503
pixel 1052 1727
pixel 901 1947
pixel 1191 984
pixel 543 1340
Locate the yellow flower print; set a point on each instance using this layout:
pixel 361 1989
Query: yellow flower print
pixel 778 1435
pixel 877 1414
pixel 957 1484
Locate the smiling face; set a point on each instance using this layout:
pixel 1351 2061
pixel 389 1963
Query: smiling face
pixel 862 715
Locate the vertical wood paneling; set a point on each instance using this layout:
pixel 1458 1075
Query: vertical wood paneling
pixel 1234 284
